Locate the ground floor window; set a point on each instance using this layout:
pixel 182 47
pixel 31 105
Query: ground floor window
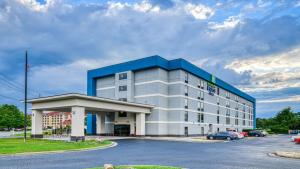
pixel 236 121
pixel 186 131
pixel 227 120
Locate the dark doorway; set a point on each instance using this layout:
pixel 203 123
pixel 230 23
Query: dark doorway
pixel 122 130
pixel 186 131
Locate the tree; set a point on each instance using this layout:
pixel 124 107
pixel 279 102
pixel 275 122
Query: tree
pixel 284 120
pixel 287 118
pixel 11 117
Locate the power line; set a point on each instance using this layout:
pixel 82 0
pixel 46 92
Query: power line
pixel 11 81
pixel 8 97
pixel 10 86
pixel 13 85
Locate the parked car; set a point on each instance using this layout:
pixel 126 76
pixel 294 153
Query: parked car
pixel 237 134
pixel 245 134
pixel 222 136
pixel 256 133
pixel 297 140
pixel 293 138
pixel 264 132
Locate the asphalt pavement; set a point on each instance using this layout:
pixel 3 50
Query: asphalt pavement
pixel 242 154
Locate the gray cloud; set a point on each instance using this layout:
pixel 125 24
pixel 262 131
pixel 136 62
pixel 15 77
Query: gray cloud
pixel 68 38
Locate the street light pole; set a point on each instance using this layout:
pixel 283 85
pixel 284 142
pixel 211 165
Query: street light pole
pixel 25 100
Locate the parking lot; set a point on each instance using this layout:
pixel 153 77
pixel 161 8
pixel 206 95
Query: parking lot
pixel 240 154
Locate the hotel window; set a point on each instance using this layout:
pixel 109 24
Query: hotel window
pixel 186 103
pixel 186 77
pixel 244 116
pixel 244 122
pixel 201 84
pixel 244 107
pixel 201 106
pixel 218 110
pixel 186 116
pixel 227 112
pixel 218 91
pixel 218 119
pixel 227 116
pixel 218 101
pixel 236 114
pixel 122 114
pixel 122 76
pixel 227 95
pixel 186 90
pixel 123 88
pixel 236 122
pixel 202 95
pixel 236 98
pixel 227 103
pixel 227 120
pixel 201 118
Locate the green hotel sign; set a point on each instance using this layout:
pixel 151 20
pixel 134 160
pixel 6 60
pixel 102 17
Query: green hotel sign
pixel 213 79
pixel 211 87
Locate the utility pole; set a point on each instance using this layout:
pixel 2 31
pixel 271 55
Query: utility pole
pixel 25 100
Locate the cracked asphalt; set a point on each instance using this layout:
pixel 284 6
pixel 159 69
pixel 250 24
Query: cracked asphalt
pixel 241 154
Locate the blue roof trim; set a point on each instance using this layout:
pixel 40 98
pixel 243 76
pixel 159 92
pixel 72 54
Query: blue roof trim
pixel 157 61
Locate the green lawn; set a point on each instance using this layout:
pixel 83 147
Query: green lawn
pixel 142 167
pixel 17 145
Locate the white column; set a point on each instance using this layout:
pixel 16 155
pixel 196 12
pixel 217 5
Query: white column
pixel 77 131
pixel 140 124
pixel 100 123
pixel 37 124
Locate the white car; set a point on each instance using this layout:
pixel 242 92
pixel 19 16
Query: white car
pixel 239 135
pixel 295 137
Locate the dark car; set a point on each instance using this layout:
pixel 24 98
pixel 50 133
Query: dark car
pixel 222 136
pixel 256 133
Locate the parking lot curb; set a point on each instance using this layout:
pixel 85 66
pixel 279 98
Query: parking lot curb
pixel 286 154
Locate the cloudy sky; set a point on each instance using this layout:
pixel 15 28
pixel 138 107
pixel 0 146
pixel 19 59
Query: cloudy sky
pixel 254 45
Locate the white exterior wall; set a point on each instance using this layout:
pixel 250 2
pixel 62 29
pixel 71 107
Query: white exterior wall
pixel 166 90
pixel 78 121
pixel 37 122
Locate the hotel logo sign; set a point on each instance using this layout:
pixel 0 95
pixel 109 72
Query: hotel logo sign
pixel 211 87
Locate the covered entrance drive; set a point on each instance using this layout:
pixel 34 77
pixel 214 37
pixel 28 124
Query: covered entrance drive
pixel 113 116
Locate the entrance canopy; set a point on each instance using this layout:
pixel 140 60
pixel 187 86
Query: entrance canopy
pixel 80 104
pixel 65 102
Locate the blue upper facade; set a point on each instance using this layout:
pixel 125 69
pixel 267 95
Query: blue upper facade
pixel 157 61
